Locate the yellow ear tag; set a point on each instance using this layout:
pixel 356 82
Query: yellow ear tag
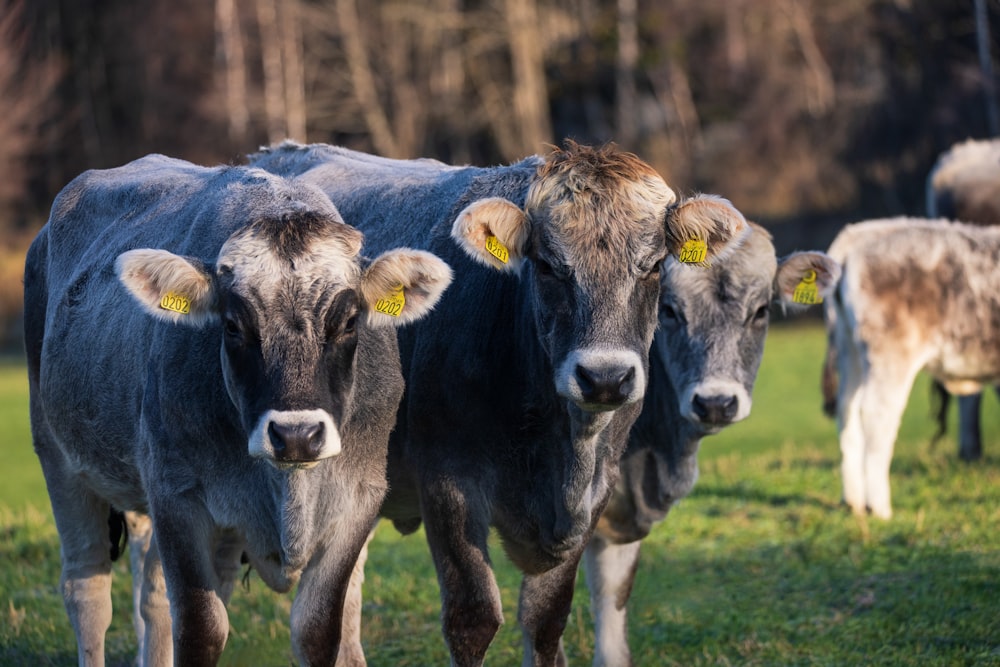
pixel 393 304
pixel 177 303
pixel 806 291
pixel 693 251
pixel 497 249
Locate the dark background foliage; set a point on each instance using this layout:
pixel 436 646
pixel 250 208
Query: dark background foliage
pixel 805 113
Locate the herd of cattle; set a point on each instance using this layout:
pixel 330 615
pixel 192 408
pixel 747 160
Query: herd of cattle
pixel 257 363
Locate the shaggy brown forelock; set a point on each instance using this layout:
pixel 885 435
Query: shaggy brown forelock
pixel 601 167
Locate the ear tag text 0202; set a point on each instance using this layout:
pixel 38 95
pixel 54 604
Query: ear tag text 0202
pixel 693 252
pixel 392 304
pixel 177 303
pixel 806 291
pixel 497 249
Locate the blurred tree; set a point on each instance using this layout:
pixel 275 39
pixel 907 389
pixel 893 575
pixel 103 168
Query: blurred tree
pixel 27 87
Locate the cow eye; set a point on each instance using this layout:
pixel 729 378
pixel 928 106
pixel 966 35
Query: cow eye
pixel 761 313
pixel 340 329
pixel 231 327
pixel 668 312
pixel 543 267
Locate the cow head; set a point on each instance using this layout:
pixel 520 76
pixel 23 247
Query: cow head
pixel 290 298
pixel 713 321
pixel 590 240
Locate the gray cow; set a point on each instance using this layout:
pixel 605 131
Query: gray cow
pixel 703 364
pixel 207 346
pixel 915 295
pixel 965 185
pixel 524 383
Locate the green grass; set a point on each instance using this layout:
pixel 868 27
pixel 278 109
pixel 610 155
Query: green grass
pixel 761 565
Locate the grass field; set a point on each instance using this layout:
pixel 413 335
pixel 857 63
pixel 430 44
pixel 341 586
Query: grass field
pixel 759 566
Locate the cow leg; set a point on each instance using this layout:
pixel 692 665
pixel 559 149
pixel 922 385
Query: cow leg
pixel 140 531
pixel 157 646
pixel 86 572
pixel 351 653
pixel 882 404
pixel 542 610
pixel 457 527
pixel 317 612
pixel 970 445
pixel 610 570
pixel 184 540
pixel 849 427
pixel 82 521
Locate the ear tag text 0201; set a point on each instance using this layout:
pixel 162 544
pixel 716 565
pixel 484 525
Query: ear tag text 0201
pixel 806 291
pixel 497 249
pixel 392 304
pixel 693 251
pixel 177 303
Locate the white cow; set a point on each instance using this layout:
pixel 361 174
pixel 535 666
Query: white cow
pixel 915 295
pixel 965 185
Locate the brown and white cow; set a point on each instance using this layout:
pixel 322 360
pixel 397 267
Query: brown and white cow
pixel 523 384
pixel 964 185
pixel 702 368
pixel 209 348
pixel 915 294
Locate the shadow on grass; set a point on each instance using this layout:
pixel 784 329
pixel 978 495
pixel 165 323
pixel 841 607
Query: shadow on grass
pixel 758 495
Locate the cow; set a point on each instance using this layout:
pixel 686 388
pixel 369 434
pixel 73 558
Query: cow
pixel 702 367
pixel 915 294
pixel 523 384
pixel 964 185
pixel 209 352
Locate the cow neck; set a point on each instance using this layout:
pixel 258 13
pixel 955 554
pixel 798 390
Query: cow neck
pixel 660 425
pixel 583 450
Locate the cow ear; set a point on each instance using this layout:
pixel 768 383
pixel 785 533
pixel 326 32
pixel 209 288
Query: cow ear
pixel 403 285
pixel 494 232
pixel 805 278
pixel 703 227
pixel 167 286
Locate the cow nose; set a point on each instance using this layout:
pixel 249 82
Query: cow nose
pixel 296 442
pixel 609 385
pixel 715 409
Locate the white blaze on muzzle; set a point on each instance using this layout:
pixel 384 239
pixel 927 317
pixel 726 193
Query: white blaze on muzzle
pixel 715 402
pixel 294 437
pixel 600 379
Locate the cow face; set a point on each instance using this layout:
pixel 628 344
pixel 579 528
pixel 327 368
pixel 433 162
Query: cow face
pixel 290 300
pixel 589 243
pixel 713 321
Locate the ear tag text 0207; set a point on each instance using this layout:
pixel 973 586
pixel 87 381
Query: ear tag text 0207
pixel 392 304
pixel 497 249
pixel 693 252
pixel 806 291
pixel 177 303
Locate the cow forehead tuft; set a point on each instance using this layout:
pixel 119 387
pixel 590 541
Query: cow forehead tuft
pixel 275 252
pixel 751 265
pixel 598 207
pixel 578 165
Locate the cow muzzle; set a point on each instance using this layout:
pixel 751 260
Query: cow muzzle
pixel 715 404
pixel 294 438
pixel 599 380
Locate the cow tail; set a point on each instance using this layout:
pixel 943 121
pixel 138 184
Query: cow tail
pixel 830 380
pixel 117 533
pixel 940 401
